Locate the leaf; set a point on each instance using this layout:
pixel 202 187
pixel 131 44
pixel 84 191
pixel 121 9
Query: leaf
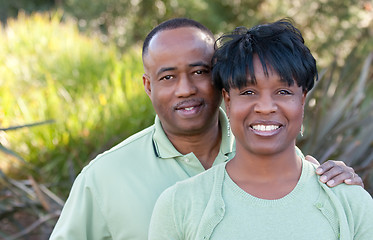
pixel 27 125
pixel 12 153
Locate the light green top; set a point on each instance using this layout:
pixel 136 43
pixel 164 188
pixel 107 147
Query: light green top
pixel 212 206
pixel 113 197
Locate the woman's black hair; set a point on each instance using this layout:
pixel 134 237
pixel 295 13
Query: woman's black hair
pixel 279 45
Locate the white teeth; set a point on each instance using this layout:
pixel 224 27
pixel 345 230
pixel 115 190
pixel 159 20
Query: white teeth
pixel 265 128
pixel 189 108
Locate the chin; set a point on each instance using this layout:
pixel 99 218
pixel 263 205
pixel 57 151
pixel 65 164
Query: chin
pixel 188 129
pixel 194 125
pixel 266 150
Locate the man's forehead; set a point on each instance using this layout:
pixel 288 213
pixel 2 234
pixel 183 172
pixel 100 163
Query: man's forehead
pixel 180 36
pixel 178 47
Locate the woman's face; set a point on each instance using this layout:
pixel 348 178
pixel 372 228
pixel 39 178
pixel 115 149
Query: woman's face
pixel 266 117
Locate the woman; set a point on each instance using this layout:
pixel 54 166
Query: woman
pixel 266 191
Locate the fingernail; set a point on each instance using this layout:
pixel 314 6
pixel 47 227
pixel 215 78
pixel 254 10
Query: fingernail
pixel 319 170
pixel 330 183
pixel 348 181
pixel 323 179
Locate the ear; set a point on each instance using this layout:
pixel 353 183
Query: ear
pixel 147 85
pixel 227 101
pixel 304 96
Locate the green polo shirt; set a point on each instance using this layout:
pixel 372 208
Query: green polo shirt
pixel 114 195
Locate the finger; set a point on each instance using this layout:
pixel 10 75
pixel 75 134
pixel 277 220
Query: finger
pixel 355 180
pixel 339 178
pixel 334 172
pixel 326 166
pixel 312 160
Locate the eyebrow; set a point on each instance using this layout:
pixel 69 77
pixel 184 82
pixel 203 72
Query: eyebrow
pixel 196 64
pixel 166 69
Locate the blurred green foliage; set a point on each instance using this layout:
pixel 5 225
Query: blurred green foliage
pixel 330 27
pixel 10 8
pixel 80 67
pixel 94 94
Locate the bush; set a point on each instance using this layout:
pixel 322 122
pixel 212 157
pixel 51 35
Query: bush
pixel 51 72
pixel 93 95
pixel 339 117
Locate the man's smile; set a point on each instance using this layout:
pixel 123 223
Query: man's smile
pixel 189 108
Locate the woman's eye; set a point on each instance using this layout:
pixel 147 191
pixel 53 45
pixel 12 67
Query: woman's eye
pixel 284 92
pixel 248 92
pixel 167 77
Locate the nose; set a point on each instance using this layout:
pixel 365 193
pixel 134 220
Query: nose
pixel 265 105
pixel 185 86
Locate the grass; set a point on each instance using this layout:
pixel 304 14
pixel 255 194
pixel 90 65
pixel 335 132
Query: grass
pixel 94 96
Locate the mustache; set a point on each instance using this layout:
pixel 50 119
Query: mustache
pixel 189 103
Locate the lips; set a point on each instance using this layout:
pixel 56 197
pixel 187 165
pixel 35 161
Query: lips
pixel 189 108
pixel 266 129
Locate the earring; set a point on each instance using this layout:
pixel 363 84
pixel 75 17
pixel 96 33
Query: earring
pixel 228 129
pixel 301 130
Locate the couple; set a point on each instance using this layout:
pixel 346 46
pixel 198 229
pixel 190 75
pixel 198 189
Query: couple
pixel 113 197
pixel 267 190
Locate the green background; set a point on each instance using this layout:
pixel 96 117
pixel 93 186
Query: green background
pixel 71 87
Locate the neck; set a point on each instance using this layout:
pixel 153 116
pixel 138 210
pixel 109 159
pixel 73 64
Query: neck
pixel 273 164
pixel 205 145
pixel 266 176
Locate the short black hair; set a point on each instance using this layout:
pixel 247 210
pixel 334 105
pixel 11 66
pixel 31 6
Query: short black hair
pixel 173 24
pixel 278 44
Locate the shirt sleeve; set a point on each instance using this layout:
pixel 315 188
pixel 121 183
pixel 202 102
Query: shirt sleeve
pixel 162 223
pixel 81 217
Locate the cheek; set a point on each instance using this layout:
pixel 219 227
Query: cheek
pixel 213 95
pixel 296 114
pixel 293 111
pixel 206 86
pixel 296 105
pixel 238 112
pixel 160 97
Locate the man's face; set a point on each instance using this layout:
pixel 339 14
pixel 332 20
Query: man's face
pixel 178 81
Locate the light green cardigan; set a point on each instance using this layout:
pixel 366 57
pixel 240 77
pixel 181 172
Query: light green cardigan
pixel 193 208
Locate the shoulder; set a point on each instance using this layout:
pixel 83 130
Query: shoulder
pixel 204 179
pixel 195 188
pixel 123 160
pixel 133 141
pixel 352 194
pixel 138 144
pixel 357 205
pixel 113 169
pixel 351 199
pixel 186 201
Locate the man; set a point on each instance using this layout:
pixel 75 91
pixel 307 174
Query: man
pixel 113 197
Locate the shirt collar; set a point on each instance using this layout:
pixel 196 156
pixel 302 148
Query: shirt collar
pixel 164 148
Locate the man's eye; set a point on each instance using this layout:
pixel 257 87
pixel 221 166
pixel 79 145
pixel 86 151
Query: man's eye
pixel 198 72
pixel 167 77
